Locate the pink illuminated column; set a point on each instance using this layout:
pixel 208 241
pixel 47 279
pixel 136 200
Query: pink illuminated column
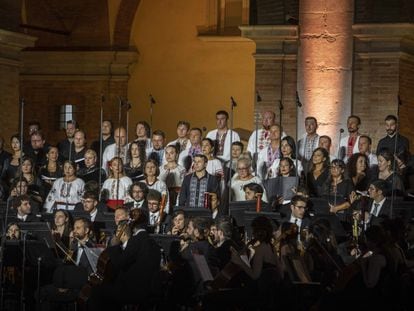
pixel 325 64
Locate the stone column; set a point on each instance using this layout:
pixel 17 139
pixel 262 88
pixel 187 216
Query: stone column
pixel 325 64
pixel 11 43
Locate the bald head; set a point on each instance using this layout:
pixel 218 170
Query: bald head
pixel 268 119
pixel 120 136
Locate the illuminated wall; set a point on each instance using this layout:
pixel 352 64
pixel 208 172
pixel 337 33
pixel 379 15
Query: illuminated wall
pixel 325 63
pixel 190 76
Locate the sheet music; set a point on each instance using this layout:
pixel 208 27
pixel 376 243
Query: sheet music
pixel 92 254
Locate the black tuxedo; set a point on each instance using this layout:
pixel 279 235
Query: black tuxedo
pixel 83 262
pixel 130 205
pixel 306 221
pixel 385 212
pixel 29 218
pixel 137 265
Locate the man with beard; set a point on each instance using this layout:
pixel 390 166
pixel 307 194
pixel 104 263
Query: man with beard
pixel 222 136
pixel 268 119
pixel 107 138
pixel 119 148
pixel 68 279
pixel 157 150
pixel 309 142
pixel 388 142
pixel 65 146
pixel 38 149
pixel 349 144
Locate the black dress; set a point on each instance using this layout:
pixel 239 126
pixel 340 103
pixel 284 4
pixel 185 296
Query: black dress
pixel 315 185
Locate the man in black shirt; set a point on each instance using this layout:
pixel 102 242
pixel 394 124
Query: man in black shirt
pixel 388 142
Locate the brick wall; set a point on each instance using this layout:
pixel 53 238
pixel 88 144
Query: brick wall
pixel 9 102
pixel 44 98
pixel 375 91
pixel 268 84
pixel 85 23
pixel 406 81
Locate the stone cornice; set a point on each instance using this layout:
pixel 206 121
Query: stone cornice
pixel 15 40
pixel 78 64
pixel 272 40
pixel 270 32
pixel 11 44
pixel 383 31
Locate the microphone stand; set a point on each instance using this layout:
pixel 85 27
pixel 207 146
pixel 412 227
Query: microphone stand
pixel 397 131
pixel 39 260
pixel 101 143
pixel 2 247
pixel 298 107
pixel 21 139
pixel 339 144
pixel 258 99
pixel 152 103
pixel 120 103
pixel 22 306
pixel 128 107
pixel 233 104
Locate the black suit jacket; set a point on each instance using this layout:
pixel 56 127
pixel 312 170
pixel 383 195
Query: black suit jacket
pixel 138 267
pixel 130 205
pixel 306 221
pixel 385 212
pixel 83 262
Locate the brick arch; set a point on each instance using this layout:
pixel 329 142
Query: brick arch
pixel 124 20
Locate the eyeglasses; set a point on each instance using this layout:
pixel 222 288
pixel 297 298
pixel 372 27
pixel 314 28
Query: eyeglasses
pixel 242 168
pixel 153 203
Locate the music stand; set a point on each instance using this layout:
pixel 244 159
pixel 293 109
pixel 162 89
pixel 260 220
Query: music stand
pixel 164 241
pixel 191 212
pixel 249 216
pixel 280 186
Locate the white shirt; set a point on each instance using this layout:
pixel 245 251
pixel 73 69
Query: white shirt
pixel 262 163
pixel 344 143
pixel 372 159
pixel 111 186
pixel 111 152
pixel 227 147
pixel 153 218
pixel 237 187
pixel 302 145
pixel 64 192
pixel 174 142
pixel 251 146
pixel 22 217
pixel 93 215
pixel 172 177
pixel 381 203
pixel 297 221
pixel 214 167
